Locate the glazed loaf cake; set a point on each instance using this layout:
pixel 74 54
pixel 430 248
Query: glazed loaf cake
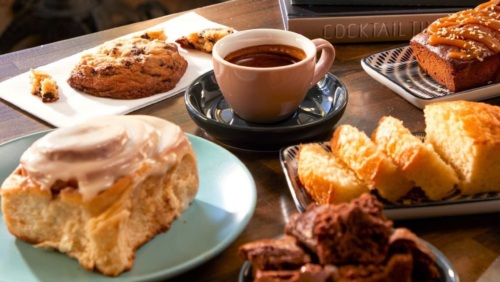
pixel 99 190
pixel 462 51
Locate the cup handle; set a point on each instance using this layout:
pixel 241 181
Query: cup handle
pixel 325 60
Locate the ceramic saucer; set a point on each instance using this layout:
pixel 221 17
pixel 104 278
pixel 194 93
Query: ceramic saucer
pixel 321 109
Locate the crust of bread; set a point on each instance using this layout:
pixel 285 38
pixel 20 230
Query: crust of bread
pixel 467 136
pixel 325 177
pixel 369 162
pixel 104 232
pixel 417 161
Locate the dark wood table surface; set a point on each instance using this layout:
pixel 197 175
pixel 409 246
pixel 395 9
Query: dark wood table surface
pixel 471 243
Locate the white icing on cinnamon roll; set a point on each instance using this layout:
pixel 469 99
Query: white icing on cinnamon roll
pixel 96 153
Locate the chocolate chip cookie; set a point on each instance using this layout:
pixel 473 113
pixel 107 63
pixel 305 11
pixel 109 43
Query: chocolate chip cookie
pixel 130 68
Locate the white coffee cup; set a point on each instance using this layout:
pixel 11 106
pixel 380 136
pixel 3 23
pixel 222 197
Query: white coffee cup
pixel 269 94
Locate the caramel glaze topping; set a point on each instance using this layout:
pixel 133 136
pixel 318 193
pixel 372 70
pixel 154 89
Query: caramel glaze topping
pixel 469 31
pixel 92 155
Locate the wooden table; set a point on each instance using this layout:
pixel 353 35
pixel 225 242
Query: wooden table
pixel 471 243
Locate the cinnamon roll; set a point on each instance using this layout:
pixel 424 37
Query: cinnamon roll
pixel 99 190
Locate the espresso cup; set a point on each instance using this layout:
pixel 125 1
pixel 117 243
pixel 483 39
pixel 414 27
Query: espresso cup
pixel 265 74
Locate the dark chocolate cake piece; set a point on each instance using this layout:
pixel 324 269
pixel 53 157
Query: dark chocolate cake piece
pixel 403 241
pixel 270 254
pixel 307 273
pixel 348 233
pixel 342 243
pixel 398 269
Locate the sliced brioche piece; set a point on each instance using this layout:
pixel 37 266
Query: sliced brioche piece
pixel 326 178
pixel 369 162
pixel 418 161
pixel 467 136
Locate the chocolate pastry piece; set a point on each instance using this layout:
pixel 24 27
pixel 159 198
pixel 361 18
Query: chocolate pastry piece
pixel 398 269
pixel 348 233
pixel 403 241
pixel 307 273
pixel 342 243
pixel 270 254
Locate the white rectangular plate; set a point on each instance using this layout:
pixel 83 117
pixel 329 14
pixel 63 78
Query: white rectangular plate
pixel 74 106
pixel 399 71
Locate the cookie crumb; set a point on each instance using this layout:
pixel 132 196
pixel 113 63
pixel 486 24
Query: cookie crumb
pixel 44 86
pixel 205 39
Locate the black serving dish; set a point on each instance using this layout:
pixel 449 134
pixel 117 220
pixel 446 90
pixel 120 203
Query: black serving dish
pixel 448 273
pixel 321 109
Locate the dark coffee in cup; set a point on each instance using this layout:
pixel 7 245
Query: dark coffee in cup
pixel 264 94
pixel 266 56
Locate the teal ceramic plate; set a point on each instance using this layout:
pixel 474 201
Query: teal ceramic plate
pixel 223 207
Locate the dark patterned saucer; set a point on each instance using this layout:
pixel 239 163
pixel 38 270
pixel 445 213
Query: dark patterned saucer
pixel 322 108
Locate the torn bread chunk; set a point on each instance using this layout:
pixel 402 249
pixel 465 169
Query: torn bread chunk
pixel 326 178
pixel 369 162
pixel 418 161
